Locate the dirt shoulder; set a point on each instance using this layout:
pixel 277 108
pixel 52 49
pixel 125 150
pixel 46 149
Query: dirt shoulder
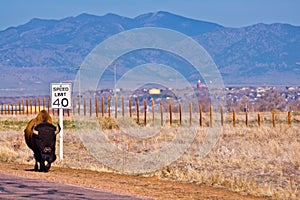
pixel 149 187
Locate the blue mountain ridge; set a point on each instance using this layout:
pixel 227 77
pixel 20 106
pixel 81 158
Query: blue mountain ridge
pixel 252 55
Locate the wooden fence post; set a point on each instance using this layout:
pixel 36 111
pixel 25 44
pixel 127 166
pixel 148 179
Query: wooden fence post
pixel 84 106
pixel 246 113
pixel 210 115
pixel 31 106
pixel 123 107
pixel 161 114
pixel 200 115
pixel 289 118
pixel 23 111
pixel 39 104
pixel 116 106
pixel 137 111
pixel 108 106
pixel 191 108
pixel 79 101
pixel 102 106
pixel 97 106
pixel 49 105
pixel 152 111
pixel 180 114
pixel 273 118
pixel 27 107
pixel 44 107
pixel 258 119
pixel 17 108
pixel 35 107
pixel 91 108
pixel 74 107
pixel 233 118
pixel 145 112
pixel 130 108
pixel 222 115
pixel 170 111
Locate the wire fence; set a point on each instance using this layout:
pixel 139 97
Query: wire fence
pixel 148 111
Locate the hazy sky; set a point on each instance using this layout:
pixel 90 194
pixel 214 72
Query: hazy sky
pixel 231 13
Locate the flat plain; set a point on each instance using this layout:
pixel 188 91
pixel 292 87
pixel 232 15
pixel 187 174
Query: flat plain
pixel 246 162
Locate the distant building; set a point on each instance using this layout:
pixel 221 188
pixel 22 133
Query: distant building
pixel 154 91
pixel 199 84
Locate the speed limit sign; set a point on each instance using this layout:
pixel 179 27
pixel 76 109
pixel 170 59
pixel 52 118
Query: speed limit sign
pixel 61 95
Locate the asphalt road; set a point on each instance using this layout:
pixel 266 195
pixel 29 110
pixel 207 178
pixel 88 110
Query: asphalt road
pixel 14 187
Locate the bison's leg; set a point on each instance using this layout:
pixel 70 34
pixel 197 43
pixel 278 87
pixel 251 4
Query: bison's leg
pixel 39 160
pixel 42 167
pixel 36 167
pixel 47 167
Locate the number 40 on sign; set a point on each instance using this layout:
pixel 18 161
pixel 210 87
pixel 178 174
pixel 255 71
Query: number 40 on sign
pixel 61 95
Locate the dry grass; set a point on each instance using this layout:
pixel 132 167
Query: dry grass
pixel 258 161
pixel 261 161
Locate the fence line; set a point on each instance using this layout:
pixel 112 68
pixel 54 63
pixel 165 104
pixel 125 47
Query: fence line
pixel 33 106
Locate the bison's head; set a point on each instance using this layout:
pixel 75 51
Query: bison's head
pixel 45 138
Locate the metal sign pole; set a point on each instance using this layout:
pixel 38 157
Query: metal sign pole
pixel 61 134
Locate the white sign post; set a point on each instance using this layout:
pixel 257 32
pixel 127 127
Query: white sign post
pixel 61 99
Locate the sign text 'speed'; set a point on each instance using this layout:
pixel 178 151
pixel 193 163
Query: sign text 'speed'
pixel 55 89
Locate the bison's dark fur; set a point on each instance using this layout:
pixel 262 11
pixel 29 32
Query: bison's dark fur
pixel 40 137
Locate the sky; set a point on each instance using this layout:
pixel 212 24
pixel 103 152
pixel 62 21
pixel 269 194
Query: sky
pixel 229 13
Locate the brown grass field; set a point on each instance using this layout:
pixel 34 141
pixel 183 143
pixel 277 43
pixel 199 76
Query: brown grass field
pixel 253 161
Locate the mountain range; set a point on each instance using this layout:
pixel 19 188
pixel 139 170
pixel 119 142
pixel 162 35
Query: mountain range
pixel 43 51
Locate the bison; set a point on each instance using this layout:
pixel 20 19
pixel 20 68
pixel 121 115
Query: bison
pixel 40 136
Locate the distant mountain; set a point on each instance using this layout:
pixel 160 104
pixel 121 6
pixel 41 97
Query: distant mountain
pixel 252 55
